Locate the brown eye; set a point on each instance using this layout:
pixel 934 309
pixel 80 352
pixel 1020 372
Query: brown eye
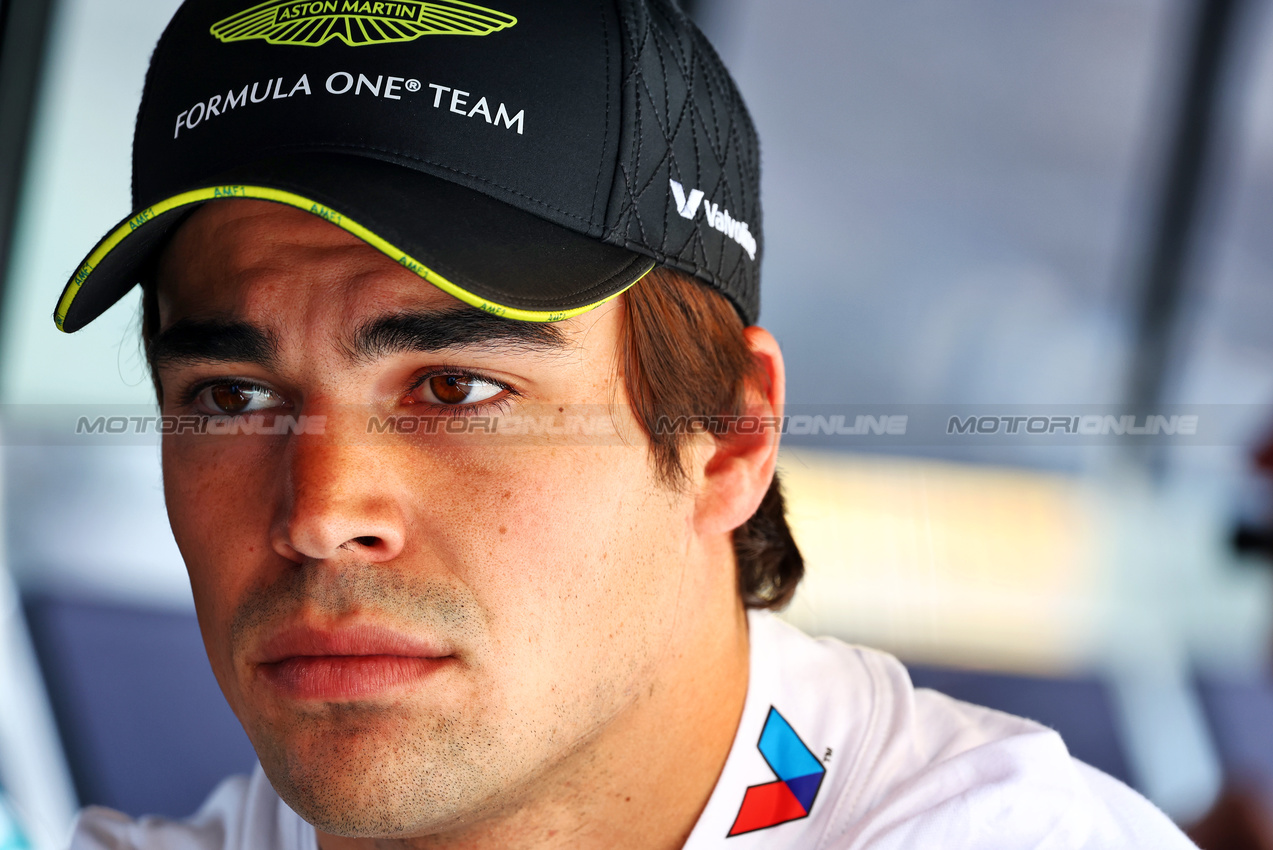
pixel 456 390
pixel 233 398
pixel 450 389
pixel 230 398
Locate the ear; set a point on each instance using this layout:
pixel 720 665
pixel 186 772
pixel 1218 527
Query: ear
pixel 740 464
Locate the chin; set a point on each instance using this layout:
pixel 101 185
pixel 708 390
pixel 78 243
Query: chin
pixel 379 776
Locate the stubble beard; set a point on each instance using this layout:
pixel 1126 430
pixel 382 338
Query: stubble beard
pixel 381 767
pixel 385 771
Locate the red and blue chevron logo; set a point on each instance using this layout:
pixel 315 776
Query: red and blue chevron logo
pixel 799 775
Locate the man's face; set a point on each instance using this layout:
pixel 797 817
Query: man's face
pixel 416 630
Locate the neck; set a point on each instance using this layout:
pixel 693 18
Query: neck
pixel 645 777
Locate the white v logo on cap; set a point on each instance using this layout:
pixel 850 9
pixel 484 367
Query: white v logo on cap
pixel 687 208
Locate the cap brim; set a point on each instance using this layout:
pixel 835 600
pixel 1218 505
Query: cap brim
pixel 484 252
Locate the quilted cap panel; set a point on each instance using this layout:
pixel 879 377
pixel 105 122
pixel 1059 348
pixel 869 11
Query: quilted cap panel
pixel 687 185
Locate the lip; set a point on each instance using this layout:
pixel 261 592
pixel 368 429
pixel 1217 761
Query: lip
pixel 303 662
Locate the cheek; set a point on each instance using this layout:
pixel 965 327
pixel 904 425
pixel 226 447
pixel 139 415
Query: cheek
pixel 218 506
pixel 573 547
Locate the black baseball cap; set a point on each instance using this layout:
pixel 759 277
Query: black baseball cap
pixel 531 158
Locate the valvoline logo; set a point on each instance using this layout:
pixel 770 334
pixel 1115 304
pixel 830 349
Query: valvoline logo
pixel 719 218
pixel 799 773
pixel 357 22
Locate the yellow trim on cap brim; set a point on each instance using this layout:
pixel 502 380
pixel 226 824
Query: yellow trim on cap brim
pixel 263 193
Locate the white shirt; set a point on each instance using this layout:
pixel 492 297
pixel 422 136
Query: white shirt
pixel 854 758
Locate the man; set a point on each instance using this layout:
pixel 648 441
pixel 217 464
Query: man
pixel 480 514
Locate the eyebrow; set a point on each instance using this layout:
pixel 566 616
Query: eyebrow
pixel 425 331
pixel 195 340
pixel 213 341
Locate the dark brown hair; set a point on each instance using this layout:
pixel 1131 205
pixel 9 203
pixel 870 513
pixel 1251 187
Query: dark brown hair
pixel 683 357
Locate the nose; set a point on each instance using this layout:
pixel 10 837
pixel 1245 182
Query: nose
pixel 339 499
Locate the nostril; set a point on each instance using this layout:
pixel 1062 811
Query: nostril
pixel 367 541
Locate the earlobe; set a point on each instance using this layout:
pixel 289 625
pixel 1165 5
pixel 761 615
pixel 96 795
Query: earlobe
pixel 741 461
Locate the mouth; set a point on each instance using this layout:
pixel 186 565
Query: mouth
pixel 350 663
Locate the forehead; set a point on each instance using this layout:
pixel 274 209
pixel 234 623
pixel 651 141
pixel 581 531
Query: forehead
pixel 258 260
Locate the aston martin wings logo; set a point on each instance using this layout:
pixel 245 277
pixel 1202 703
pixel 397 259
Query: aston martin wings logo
pixel 358 22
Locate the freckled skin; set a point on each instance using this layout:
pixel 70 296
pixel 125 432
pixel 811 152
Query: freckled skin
pixel 597 648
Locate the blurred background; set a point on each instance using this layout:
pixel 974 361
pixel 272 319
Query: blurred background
pixel 976 212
